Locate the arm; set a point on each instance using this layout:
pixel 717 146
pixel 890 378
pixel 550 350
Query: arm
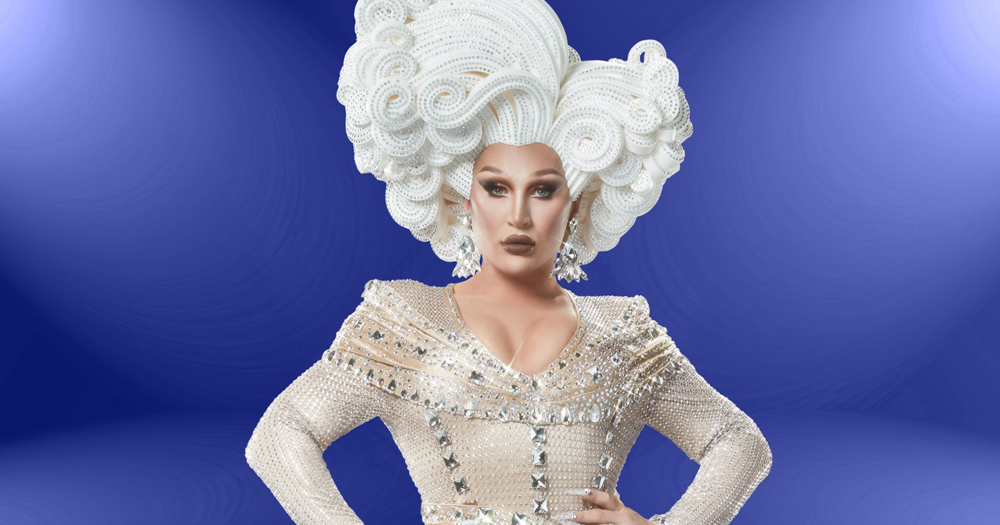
pixel 286 448
pixel 732 453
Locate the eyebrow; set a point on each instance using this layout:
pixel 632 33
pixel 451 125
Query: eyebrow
pixel 539 173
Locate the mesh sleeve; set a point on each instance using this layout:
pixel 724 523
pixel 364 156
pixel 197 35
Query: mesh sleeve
pixel 286 448
pixel 731 451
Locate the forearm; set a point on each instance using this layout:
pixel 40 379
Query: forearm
pixel 288 459
pixel 732 468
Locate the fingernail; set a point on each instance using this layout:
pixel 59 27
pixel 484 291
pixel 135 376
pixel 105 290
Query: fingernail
pixel 579 492
pixel 564 516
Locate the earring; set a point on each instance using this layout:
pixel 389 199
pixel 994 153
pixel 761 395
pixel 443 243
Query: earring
pixel 568 263
pixel 468 254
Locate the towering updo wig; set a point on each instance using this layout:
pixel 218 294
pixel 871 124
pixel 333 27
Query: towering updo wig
pixel 429 84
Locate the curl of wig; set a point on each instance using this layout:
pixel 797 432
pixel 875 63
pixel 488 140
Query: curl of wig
pixel 429 84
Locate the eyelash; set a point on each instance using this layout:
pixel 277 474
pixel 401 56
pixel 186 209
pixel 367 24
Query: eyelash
pixel 490 186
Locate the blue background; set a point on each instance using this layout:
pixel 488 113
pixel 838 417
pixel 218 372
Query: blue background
pixel 183 229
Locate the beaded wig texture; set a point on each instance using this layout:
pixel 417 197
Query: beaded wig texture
pixel 429 84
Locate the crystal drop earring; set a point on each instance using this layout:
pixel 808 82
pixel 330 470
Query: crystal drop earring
pixel 468 254
pixel 568 263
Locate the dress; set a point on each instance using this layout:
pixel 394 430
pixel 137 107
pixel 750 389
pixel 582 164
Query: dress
pixel 480 439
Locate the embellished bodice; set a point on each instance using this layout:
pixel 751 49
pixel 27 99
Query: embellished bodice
pixel 482 440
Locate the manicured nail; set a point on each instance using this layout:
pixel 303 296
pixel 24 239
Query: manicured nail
pixel 579 492
pixel 564 516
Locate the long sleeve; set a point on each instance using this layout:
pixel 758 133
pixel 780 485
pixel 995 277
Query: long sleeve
pixel 286 448
pixel 731 451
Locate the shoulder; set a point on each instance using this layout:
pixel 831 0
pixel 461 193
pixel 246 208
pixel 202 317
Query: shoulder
pixel 613 312
pixel 398 289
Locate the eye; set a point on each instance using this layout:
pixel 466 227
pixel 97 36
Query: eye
pixel 494 189
pixel 546 191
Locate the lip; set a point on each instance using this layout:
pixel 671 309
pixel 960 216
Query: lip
pixel 518 239
pixel 517 244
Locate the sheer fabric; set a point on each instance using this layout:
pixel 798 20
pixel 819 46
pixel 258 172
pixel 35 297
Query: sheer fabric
pixel 482 441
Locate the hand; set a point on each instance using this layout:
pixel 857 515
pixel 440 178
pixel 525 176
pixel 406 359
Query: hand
pixel 610 510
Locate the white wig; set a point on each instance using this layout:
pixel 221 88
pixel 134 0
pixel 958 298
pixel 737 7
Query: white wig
pixel 429 84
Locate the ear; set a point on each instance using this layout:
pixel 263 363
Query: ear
pixel 575 208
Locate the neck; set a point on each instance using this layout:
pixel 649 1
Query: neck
pixel 494 282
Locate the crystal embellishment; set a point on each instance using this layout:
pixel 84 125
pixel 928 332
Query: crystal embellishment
pixel 449 459
pixel 519 519
pixel 432 418
pixel 541 506
pixel 538 434
pixel 599 482
pixel 460 485
pixel 605 461
pixel 566 415
pixel 595 414
pixel 538 480
pixel 538 457
pixel 442 438
pixel 484 515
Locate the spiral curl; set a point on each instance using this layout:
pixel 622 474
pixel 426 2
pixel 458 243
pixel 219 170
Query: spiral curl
pixel 429 84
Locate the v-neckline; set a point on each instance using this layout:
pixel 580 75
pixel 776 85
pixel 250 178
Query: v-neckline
pixel 572 343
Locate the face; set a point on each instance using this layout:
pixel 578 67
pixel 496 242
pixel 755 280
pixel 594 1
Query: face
pixel 520 206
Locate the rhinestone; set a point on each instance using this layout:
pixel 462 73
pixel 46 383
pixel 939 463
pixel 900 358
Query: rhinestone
pixel 470 409
pixel 538 434
pixel 392 385
pixel 504 412
pixel 541 506
pixel 371 374
pixel 514 387
pixel 420 351
pixel 431 417
pixel 538 457
pixel 595 414
pixel 565 415
pixel 350 363
pixel 376 335
pixel 538 480
pixel 439 402
pixel 442 437
pixel 609 439
pixel 448 363
pixel 595 374
pixel 599 482
pixel 460 485
pixel 519 519
pixel 449 459
pixel 484 515
pixel 476 377
pixel 616 420
pixel 452 336
pixel 562 364
pixel 605 461
pixel 536 414
pixel 359 325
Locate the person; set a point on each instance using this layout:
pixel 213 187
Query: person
pixel 512 399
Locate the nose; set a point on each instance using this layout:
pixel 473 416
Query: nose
pixel 520 216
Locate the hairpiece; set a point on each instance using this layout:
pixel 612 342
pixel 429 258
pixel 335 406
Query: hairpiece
pixel 429 84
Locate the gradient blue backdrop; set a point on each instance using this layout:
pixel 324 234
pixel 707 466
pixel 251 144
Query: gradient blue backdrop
pixel 182 231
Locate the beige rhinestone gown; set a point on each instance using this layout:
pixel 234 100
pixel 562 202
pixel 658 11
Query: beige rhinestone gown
pixel 482 441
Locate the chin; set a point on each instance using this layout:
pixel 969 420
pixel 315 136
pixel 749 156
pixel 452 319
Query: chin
pixel 508 264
